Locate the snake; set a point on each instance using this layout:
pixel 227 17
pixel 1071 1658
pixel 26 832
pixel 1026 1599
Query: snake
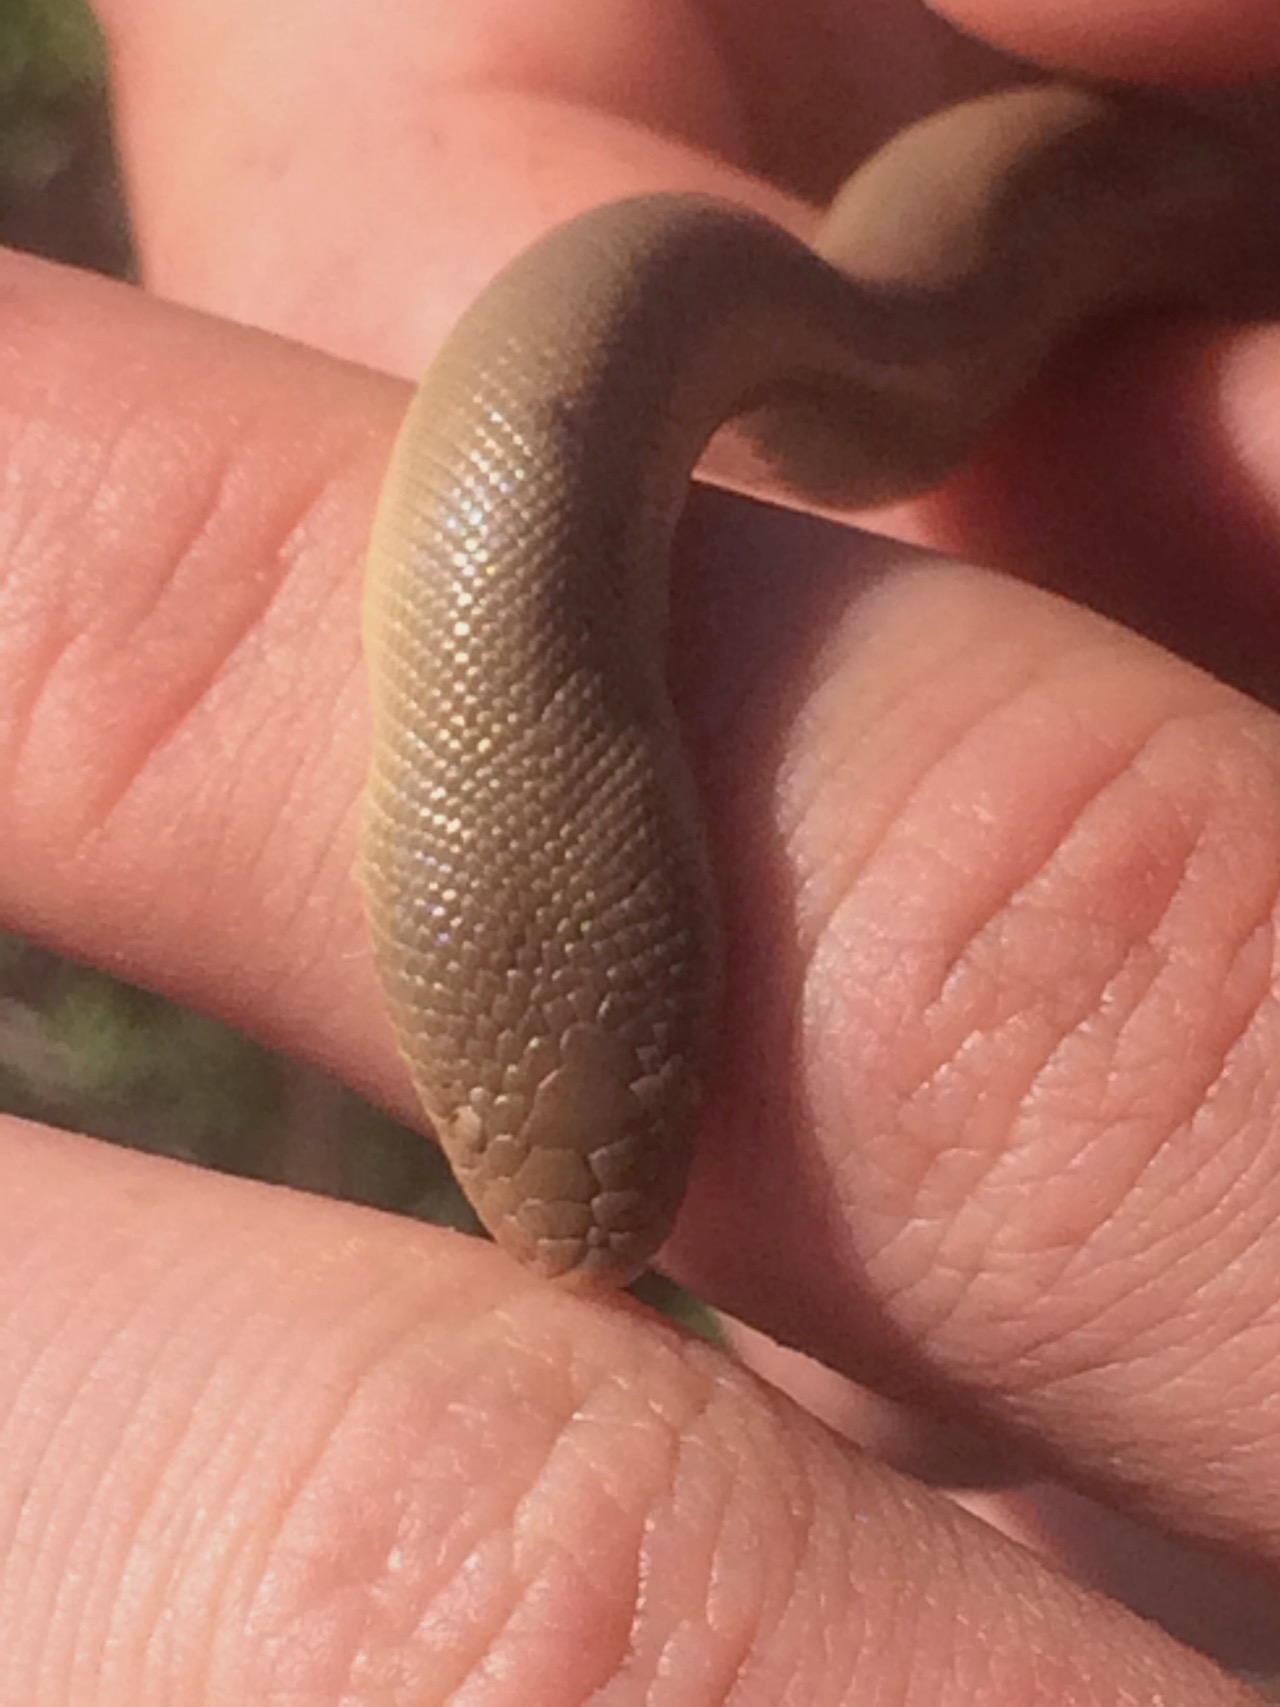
pixel 534 862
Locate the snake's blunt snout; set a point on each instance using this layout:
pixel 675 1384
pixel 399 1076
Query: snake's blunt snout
pixel 533 855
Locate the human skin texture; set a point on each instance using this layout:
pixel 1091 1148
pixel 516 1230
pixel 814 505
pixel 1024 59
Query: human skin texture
pixel 261 1447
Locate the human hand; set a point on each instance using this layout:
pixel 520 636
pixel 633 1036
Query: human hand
pixel 1000 1124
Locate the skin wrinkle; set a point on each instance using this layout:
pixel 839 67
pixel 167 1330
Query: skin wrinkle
pixel 230 1567
pixel 1171 962
pixel 380 1352
pixel 762 1631
pixel 1123 755
pixel 1129 758
pixel 1072 1255
pixel 1128 1290
pixel 669 1525
pixel 18 1518
pixel 291 898
pixel 172 1303
pixel 802 1626
pixel 1252 1360
pixel 937 1266
pixel 240 644
pixel 697 1520
pixel 30 666
pixel 1016 1018
pixel 1148 1336
pixel 95 812
pixel 1219 1235
pixel 878 1605
pixel 737 1638
pixel 465 1619
pixel 609 1664
pixel 1196 1098
pixel 535 1470
pixel 146 1610
pixel 101 808
pixel 946 1571
pixel 1153 1387
pixel 1172 1356
pixel 483 1664
pixel 992 713
pixel 689 1442
pixel 642 1609
pixel 535 1574
pixel 1085 1010
pixel 366 437
pixel 1132 765
pixel 21 718
pixel 297 899
pixel 310 1633
pixel 753 1447
pixel 341 1400
pixel 1251 1121
pixel 534 1501
pixel 735 1626
pixel 446 1627
pixel 822 778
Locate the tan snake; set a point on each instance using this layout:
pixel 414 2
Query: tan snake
pixel 537 884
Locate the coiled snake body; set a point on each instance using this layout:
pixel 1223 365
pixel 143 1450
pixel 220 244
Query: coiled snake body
pixel 533 861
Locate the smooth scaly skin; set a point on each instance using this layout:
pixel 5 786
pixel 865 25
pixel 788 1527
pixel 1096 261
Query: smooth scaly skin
pixel 537 884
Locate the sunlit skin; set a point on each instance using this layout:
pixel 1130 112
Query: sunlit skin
pixel 1000 1126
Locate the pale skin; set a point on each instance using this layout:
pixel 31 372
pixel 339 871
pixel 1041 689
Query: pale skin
pixel 1001 1124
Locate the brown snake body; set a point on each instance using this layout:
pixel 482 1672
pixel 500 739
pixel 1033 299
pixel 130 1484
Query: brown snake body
pixel 533 860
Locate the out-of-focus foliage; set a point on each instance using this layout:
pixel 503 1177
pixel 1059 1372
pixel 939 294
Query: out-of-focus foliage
pixel 80 1050
pixel 47 47
pixel 59 194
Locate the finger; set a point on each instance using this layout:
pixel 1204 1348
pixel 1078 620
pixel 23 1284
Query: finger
pixel 361 152
pixel 364 214
pixel 1142 479
pixel 999 882
pixel 184 517
pixel 1000 1112
pixel 1219 1606
pixel 1156 40
pixel 380 168
pixel 258 1445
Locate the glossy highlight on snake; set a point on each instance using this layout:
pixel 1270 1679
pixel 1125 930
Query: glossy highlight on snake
pixel 534 864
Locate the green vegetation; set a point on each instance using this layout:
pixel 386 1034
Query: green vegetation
pixel 47 49
pixel 59 194
pixel 81 1050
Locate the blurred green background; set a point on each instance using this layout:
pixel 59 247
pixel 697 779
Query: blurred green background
pixel 59 194
pixel 77 1048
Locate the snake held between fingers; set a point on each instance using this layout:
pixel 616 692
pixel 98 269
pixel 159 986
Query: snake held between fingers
pixel 537 883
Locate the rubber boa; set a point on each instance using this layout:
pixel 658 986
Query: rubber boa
pixel 534 864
